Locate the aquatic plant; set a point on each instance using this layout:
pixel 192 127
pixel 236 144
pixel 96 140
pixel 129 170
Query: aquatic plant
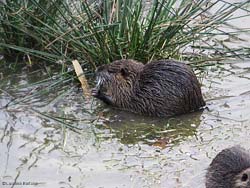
pixel 98 32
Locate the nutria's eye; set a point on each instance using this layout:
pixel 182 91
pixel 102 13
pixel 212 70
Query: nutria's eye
pixel 244 177
pixel 111 71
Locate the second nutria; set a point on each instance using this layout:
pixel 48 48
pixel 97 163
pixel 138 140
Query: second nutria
pixel 229 169
pixel 160 88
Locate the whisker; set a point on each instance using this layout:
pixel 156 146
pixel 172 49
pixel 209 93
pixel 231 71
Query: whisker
pixel 99 81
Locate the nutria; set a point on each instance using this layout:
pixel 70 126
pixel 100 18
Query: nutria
pixel 229 169
pixel 160 88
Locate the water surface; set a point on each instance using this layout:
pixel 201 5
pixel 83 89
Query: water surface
pixel 112 148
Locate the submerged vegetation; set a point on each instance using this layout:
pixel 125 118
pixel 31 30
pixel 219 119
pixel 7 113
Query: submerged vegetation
pixel 98 32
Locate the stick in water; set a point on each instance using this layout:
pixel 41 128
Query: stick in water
pixel 82 79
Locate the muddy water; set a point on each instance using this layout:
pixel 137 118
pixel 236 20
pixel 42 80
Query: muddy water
pixel 111 148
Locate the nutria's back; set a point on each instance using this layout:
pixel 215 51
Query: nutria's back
pixel 160 88
pixel 229 169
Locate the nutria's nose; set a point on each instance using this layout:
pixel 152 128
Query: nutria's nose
pixel 95 92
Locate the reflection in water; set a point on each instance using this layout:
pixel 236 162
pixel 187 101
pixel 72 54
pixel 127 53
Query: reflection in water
pixel 130 128
pixel 113 148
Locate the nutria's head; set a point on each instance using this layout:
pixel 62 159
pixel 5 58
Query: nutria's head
pixel 230 168
pixel 115 81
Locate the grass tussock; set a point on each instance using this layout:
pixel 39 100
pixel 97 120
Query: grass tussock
pixel 98 32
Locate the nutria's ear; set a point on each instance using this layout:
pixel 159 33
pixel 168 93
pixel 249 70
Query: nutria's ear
pixel 124 72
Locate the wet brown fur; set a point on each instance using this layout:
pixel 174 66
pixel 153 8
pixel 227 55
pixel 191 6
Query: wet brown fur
pixel 160 88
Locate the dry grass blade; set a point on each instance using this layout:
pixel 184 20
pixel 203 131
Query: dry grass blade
pixel 82 79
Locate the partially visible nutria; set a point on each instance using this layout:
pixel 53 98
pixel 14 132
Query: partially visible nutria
pixel 229 169
pixel 160 88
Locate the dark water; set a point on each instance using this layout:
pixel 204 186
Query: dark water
pixel 114 148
